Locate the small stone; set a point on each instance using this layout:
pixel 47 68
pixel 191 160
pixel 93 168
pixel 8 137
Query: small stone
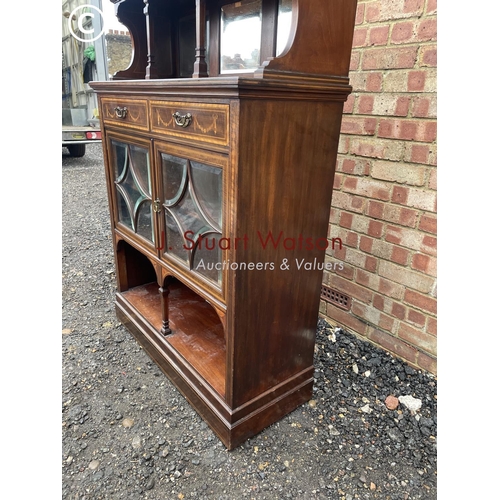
pixel 392 402
pixel 66 331
pixel 127 422
pixel 355 368
pixel 367 373
pixel 165 452
pixel 366 409
pixel 312 403
pixel 136 442
pixel 69 460
pixel 150 484
pixel 413 404
pixel 94 464
pixel 373 486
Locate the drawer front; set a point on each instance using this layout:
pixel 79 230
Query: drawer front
pixel 131 113
pixel 199 121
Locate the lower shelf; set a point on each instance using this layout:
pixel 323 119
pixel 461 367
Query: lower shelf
pixel 197 333
pixel 193 358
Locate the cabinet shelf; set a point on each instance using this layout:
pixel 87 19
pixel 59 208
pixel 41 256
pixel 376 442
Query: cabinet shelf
pixel 197 333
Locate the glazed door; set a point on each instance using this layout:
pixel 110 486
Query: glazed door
pixel 191 189
pixel 133 187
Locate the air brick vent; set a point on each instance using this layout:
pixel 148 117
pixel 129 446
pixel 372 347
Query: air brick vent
pixel 335 297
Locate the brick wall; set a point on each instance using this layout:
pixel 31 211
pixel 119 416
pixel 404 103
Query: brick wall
pixel 384 197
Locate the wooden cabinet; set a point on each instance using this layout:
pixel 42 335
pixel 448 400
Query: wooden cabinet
pixel 219 182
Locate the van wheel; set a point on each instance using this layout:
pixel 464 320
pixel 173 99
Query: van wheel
pixel 76 150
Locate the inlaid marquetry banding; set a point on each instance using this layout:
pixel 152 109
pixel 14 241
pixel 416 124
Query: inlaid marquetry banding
pixel 210 122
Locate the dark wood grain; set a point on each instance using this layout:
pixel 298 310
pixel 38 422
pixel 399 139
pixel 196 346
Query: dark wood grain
pixel 241 351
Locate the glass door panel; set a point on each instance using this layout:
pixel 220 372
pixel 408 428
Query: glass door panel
pixel 192 202
pixel 133 187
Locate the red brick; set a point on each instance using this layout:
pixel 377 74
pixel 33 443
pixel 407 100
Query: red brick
pixel 398 129
pixel 357 203
pixel 365 244
pixel 378 302
pixel 355 59
pixel 350 183
pixel 367 187
pixel 346 272
pixel 400 194
pixel 360 13
pixel 416 317
pixel 433 180
pixel 431 326
pixel 402 106
pixel 386 323
pixel 400 255
pixel 427 30
pixel 371 263
pixel 398 310
pixel 348 166
pixel 400 215
pixel 420 106
pixel 352 239
pixel 358 125
pixel 423 302
pixel 418 338
pixel 427 363
pixel 415 7
pixel 430 132
pixel 354 290
pixel 375 209
pixel 428 223
pixel 375 229
pixel 419 153
pixel 429 57
pixel 379 35
pixel 416 81
pixel 420 262
pixel 372 12
pixel 389 58
pixel 402 32
pixel 359 37
pixel 345 319
pixel 374 82
pixel 344 144
pixel 349 104
pixel 429 244
pixel 393 344
pixel 365 104
pixel 345 220
pixel 431 7
pixel 337 181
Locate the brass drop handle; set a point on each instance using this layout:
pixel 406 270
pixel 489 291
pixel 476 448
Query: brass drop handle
pixel 182 120
pixel 157 206
pixel 121 112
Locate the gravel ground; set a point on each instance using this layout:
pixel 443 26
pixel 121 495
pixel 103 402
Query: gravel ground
pixel 129 434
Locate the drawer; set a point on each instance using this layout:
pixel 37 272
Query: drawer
pixel 131 113
pixel 199 121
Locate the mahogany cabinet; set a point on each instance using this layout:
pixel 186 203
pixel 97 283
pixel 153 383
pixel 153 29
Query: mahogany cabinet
pixel 220 144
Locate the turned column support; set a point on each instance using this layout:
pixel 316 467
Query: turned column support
pixel 200 63
pixel 165 324
pixel 151 70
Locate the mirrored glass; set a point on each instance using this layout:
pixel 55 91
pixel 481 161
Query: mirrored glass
pixel 284 25
pixel 241 27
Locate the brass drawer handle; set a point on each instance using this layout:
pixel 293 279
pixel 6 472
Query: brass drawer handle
pixel 121 112
pixel 182 120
